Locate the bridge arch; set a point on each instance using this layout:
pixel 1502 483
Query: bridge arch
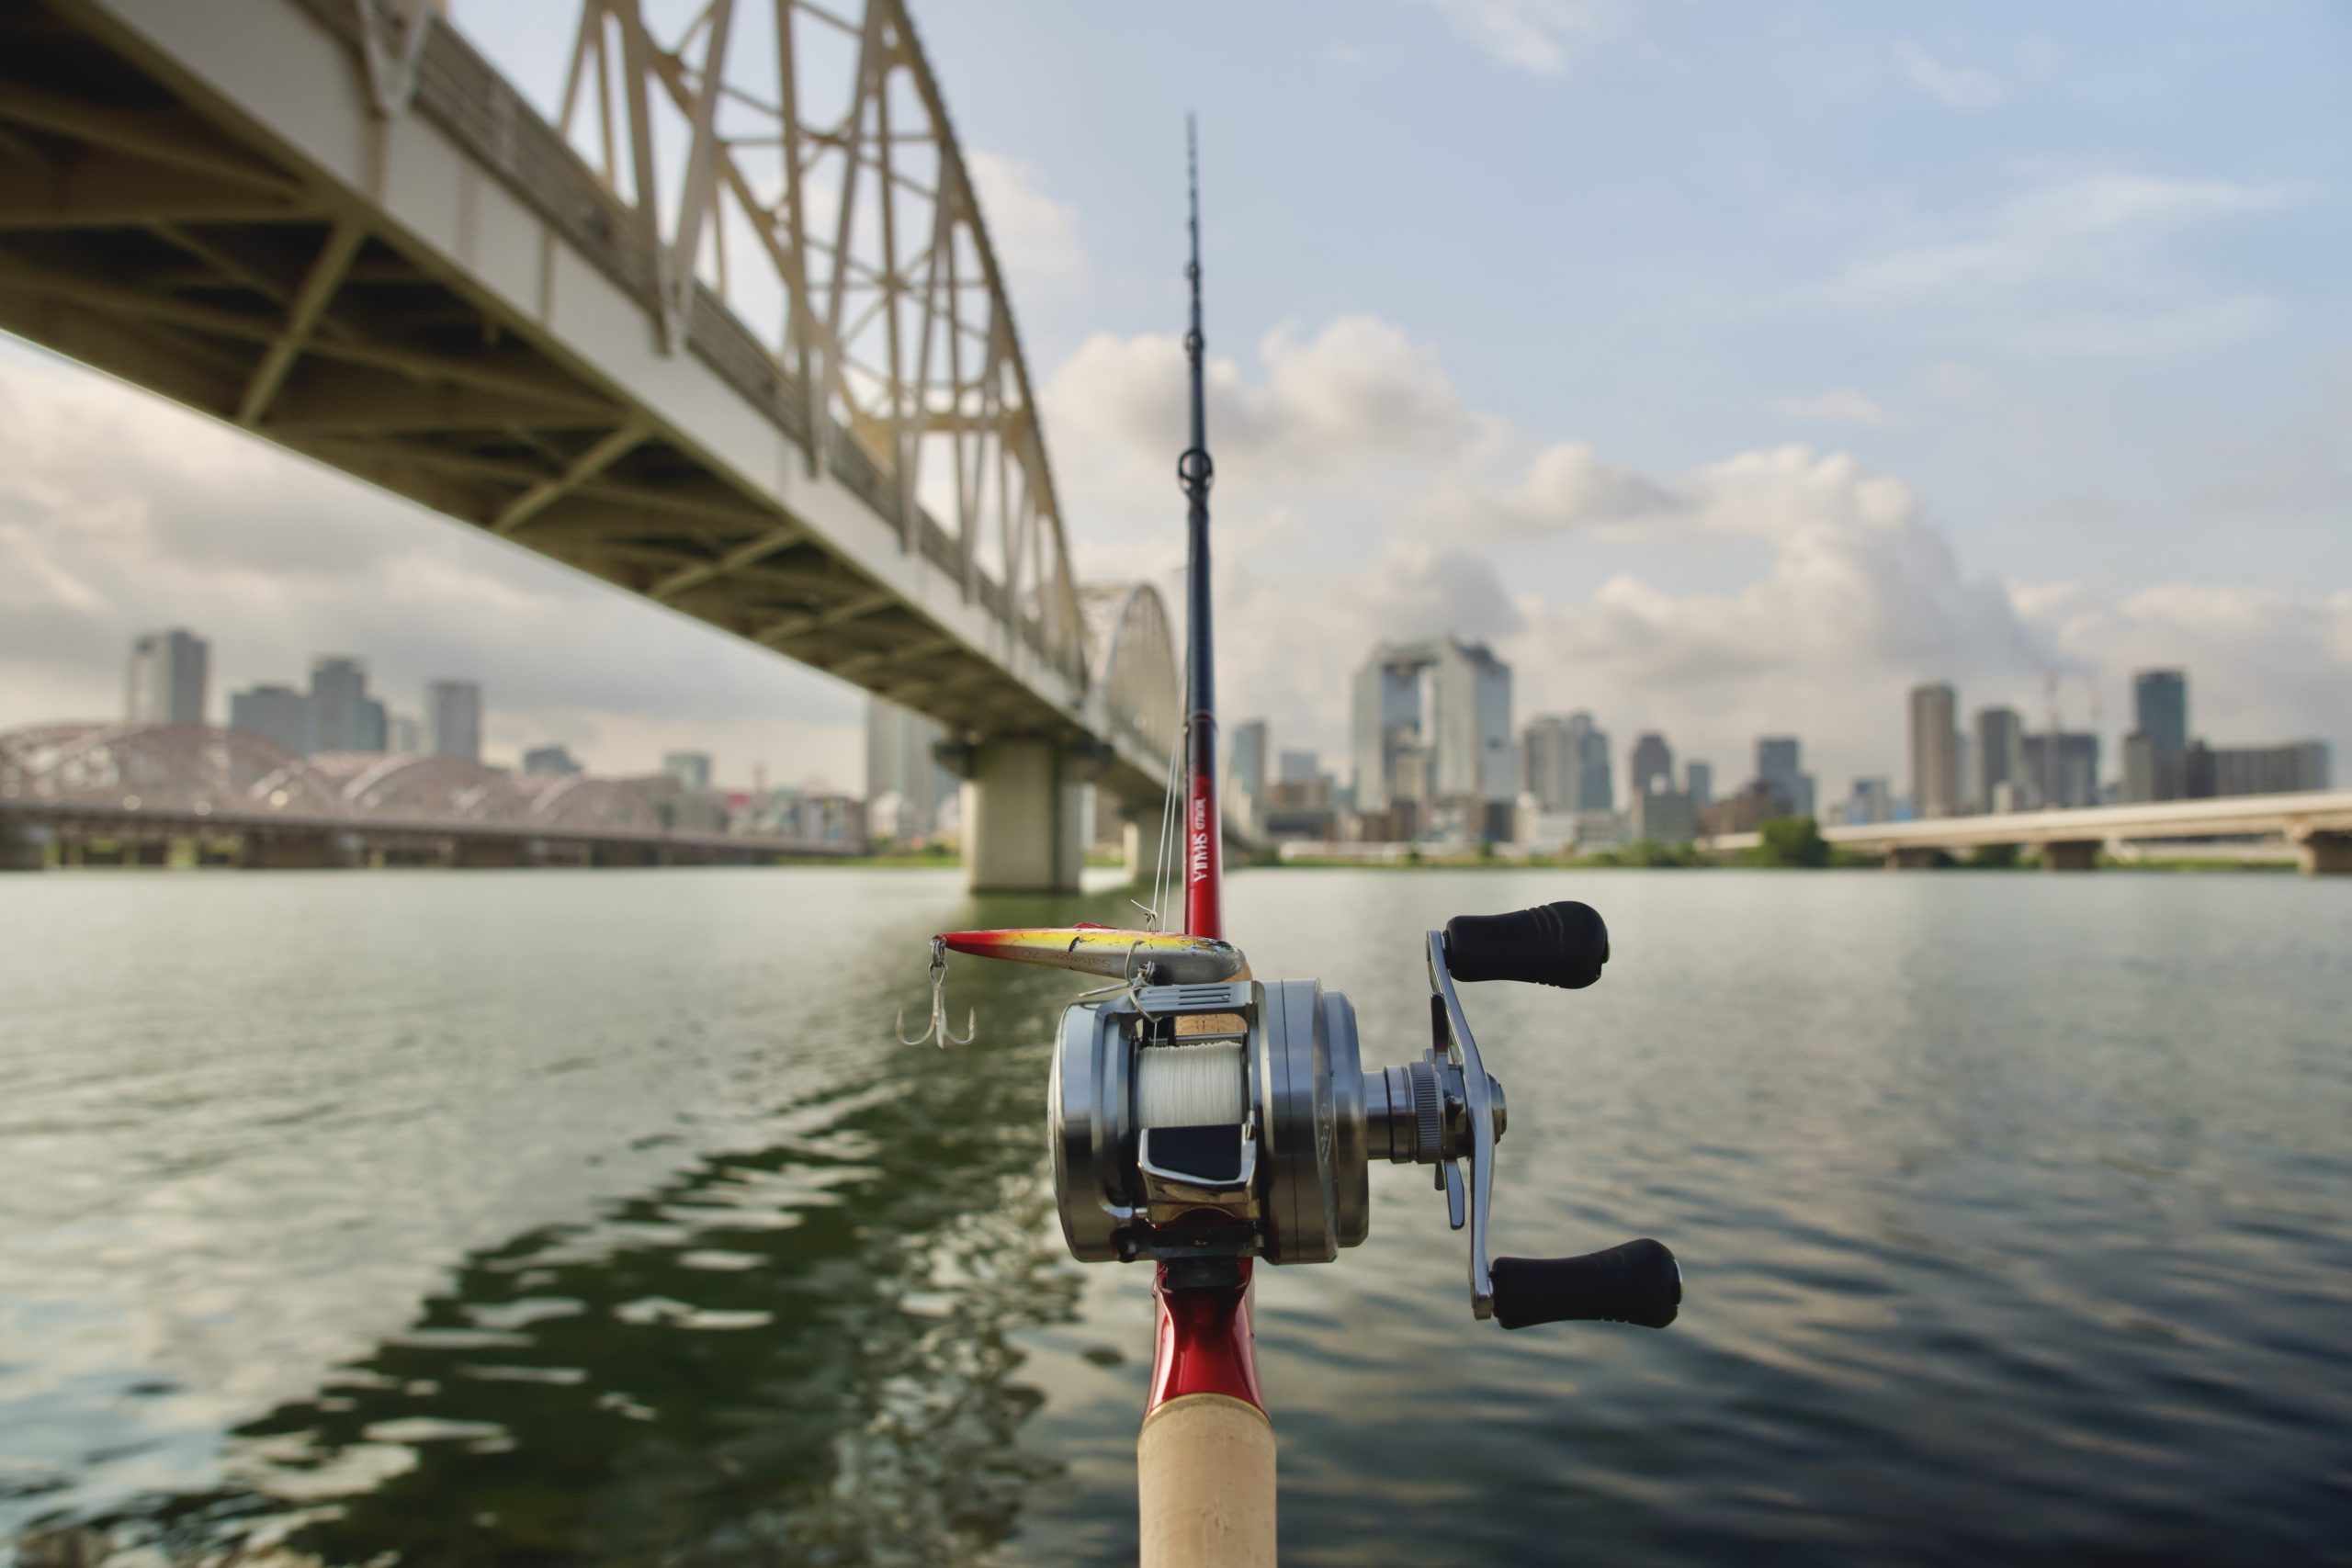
pixel 162 766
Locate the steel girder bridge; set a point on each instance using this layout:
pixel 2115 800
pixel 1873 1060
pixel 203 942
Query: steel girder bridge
pixel 728 333
pixel 136 793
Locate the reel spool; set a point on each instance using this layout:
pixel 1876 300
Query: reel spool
pixel 1236 1120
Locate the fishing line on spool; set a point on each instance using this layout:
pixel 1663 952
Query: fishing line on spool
pixel 1190 1086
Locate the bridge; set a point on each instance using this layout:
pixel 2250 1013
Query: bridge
pixel 730 335
pixel 2317 822
pixel 151 794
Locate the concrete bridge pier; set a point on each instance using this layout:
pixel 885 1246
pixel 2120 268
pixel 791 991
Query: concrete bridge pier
pixel 1021 815
pixel 22 847
pixel 2325 855
pixel 2071 855
pixel 1909 858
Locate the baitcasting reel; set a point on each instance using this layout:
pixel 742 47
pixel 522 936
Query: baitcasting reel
pixel 1234 1119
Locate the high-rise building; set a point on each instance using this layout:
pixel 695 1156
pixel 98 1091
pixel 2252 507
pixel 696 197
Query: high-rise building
pixel 1935 750
pixel 1698 779
pixel 691 769
pixel 402 733
pixel 279 714
pixel 1872 801
pixel 1652 760
pixel 1780 771
pixel 1566 764
pixel 1432 723
pixel 452 720
pixel 2000 757
pixel 2160 711
pixel 168 678
pixel 1663 815
pixel 1300 767
pixel 551 759
pixel 343 718
pixel 2257 770
pixel 905 783
pixel 2063 770
pixel 1245 769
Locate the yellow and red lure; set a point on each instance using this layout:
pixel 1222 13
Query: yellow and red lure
pixel 1112 952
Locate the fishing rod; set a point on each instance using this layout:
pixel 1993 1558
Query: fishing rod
pixel 1205 1119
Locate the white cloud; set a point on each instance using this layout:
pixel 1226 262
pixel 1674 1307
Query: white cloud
pixel 1541 37
pixel 1835 405
pixel 1956 86
pixel 2092 230
pixel 1035 236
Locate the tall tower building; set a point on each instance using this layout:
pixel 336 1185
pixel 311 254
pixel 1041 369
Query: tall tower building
pixel 1244 769
pixel 343 716
pixel 279 714
pixel 2000 759
pixel 1780 768
pixel 1653 761
pixel 1699 778
pixel 1431 722
pixel 1935 750
pixel 900 765
pixel 167 679
pixel 2160 707
pixel 452 720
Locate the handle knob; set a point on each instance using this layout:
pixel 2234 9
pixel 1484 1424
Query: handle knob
pixel 1562 945
pixel 1637 1283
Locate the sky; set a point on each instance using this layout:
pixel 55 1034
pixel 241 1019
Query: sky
pixel 1730 369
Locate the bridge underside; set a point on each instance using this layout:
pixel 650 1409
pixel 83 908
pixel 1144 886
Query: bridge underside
pixel 200 200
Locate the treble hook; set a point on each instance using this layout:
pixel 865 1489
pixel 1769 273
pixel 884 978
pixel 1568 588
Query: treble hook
pixel 939 1030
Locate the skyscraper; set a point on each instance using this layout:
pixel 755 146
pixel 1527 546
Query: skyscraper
pixel 1652 760
pixel 691 769
pixel 2000 759
pixel 2064 769
pixel 1566 764
pixel 452 720
pixel 1935 750
pixel 2160 707
pixel 1698 779
pixel 1779 768
pixel 900 764
pixel 343 718
pixel 1432 722
pixel 1245 766
pixel 279 714
pixel 1300 767
pixel 167 679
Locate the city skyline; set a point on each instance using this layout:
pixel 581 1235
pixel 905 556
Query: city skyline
pixel 2021 379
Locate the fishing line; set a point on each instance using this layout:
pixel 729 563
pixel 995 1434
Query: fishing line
pixel 1189 1086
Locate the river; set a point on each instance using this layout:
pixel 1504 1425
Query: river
pixel 560 1218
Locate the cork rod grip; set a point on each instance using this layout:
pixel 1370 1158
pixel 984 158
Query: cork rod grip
pixel 1204 1476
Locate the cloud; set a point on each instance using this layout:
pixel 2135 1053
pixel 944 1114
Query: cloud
pixel 1540 36
pixel 1566 488
pixel 2093 229
pixel 1956 86
pixel 120 514
pixel 1837 405
pixel 1035 236
pixel 1346 408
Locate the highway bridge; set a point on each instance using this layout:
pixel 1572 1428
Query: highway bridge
pixel 730 335
pixel 2317 822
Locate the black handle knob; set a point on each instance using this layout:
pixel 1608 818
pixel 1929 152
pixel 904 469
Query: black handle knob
pixel 1637 1283
pixel 1562 945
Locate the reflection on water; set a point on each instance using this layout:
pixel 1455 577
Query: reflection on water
pixel 572 1219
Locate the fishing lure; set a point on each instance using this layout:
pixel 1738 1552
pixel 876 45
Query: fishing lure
pixel 1112 952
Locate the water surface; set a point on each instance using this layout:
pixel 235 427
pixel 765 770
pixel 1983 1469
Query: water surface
pixel 569 1218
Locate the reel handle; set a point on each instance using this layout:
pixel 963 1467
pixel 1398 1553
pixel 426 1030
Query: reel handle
pixel 1562 945
pixel 1636 1281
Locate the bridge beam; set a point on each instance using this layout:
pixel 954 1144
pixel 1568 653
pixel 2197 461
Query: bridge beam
pixel 2070 855
pixel 2325 855
pixel 1021 816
